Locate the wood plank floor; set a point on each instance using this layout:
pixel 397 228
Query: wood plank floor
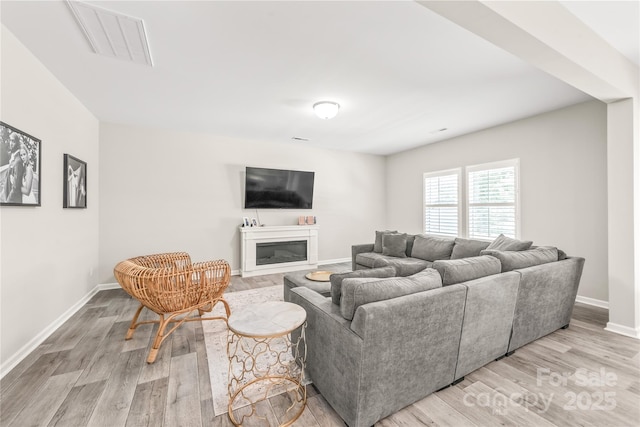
pixel 86 374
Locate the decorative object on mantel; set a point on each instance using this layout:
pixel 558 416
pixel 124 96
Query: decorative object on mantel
pixel 19 167
pixel 74 183
pixel 245 221
pixel 307 220
pixel 319 276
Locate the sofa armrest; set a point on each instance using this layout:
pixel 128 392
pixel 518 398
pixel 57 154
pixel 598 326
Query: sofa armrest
pixel 546 297
pixel 358 249
pixel 334 352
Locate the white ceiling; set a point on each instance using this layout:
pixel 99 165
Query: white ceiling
pixel 252 70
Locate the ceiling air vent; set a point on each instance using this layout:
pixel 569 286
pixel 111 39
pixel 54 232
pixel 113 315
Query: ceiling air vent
pixel 113 34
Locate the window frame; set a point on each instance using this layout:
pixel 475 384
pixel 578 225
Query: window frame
pixel 515 163
pixel 464 205
pixel 428 175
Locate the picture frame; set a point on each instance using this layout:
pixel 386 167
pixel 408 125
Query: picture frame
pixel 20 167
pixel 254 222
pixel 245 221
pixel 74 183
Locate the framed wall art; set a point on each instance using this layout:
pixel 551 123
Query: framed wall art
pixel 74 183
pixel 19 167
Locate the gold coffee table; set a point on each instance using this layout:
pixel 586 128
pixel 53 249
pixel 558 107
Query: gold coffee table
pixel 263 360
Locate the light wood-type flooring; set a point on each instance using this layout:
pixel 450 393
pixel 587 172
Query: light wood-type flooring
pixel 85 374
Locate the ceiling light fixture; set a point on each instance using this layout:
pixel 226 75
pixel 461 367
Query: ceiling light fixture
pixel 326 109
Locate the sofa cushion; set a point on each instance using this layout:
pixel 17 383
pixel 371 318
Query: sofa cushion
pixel 465 248
pixel 432 248
pixel 360 291
pixel 512 260
pixel 337 278
pixel 377 244
pixel 371 259
pixel 410 239
pixel 460 270
pixel 394 244
pixel 504 243
pixel 404 266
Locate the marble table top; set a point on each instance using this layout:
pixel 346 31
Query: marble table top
pixel 267 319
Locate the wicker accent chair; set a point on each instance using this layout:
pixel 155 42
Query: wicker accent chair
pixel 172 287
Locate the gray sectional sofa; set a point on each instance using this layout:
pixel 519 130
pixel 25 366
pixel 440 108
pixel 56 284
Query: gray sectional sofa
pixel 378 344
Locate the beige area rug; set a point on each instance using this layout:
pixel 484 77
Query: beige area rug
pixel 215 338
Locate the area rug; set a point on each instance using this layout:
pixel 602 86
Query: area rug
pixel 215 338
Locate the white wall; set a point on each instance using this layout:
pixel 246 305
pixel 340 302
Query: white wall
pixel 176 191
pixel 49 255
pixel 563 179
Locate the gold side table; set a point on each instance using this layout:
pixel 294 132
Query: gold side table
pixel 264 361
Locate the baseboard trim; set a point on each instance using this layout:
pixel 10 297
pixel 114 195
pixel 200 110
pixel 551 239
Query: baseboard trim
pixel 592 301
pixel 30 346
pixel 334 261
pixel 107 286
pixel 623 330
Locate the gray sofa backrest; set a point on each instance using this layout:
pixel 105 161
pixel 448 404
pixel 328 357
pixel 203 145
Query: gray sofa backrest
pixel 392 354
pixel 488 318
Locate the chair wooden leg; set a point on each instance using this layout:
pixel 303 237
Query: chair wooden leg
pixel 133 325
pixel 153 353
pixel 226 307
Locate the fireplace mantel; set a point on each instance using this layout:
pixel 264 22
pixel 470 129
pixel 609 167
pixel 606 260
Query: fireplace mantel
pixel 252 236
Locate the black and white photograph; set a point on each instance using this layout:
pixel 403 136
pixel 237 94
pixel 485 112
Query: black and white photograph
pixel 74 183
pixel 19 167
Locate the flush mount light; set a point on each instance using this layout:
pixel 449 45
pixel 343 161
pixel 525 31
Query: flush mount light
pixel 326 109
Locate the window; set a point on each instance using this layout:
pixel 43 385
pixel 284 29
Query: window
pixel 441 202
pixel 484 206
pixel 492 203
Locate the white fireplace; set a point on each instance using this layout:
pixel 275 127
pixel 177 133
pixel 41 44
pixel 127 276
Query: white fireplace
pixel 266 250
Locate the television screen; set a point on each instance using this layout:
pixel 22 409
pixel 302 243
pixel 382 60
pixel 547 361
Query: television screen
pixel 278 189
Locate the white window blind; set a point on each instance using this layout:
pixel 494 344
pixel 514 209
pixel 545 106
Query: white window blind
pixel 441 202
pixel 493 200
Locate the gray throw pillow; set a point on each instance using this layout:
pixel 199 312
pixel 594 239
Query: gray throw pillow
pixel 461 270
pixel 504 243
pixel 513 260
pixel 394 244
pixel 357 292
pixel 337 278
pixel 465 248
pixel 432 248
pixel 377 244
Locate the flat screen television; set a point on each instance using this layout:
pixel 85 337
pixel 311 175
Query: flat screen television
pixel 278 189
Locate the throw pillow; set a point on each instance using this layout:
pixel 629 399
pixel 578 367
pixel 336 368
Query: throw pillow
pixel 377 245
pixel 432 248
pixel 357 292
pixel 337 278
pixel 504 243
pixel 465 248
pixel 395 245
pixel 513 260
pixel 461 270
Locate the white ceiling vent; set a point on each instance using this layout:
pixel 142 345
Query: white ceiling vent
pixel 113 34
